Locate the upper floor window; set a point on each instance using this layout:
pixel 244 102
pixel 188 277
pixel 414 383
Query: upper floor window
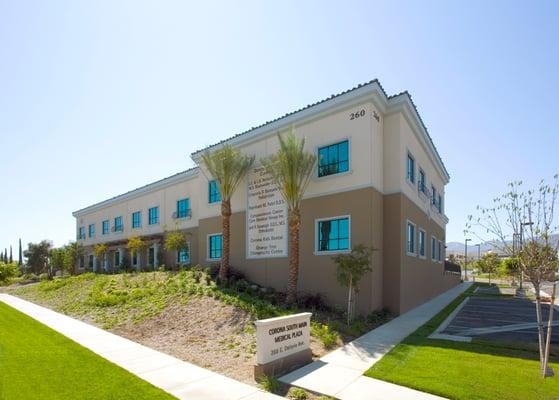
pixel 91 230
pixel 183 208
pixel 410 238
pixel 81 232
pixel 333 234
pixel 118 224
pixel 421 243
pixel 421 181
pixel 213 192
pixel 440 204
pixel 153 215
pixel 410 168
pixel 105 227
pixel 215 244
pixel 433 195
pixel 137 219
pixel 333 159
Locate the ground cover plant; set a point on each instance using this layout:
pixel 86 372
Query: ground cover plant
pixel 187 314
pixel 456 370
pixel 38 363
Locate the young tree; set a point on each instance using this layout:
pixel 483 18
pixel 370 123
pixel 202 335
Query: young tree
pixel 56 261
pixel 488 263
pixel 228 166
pixel 136 245
pixel 351 268
pixel 73 251
pixel 529 215
pixel 175 241
pixel 100 250
pixel 37 255
pixel 291 169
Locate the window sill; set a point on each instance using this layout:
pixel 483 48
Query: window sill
pixel 317 178
pixel 213 259
pixel 330 252
pixel 411 254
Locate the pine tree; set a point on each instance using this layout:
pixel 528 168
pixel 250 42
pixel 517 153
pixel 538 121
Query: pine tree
pixel 11 257
pixel 20 261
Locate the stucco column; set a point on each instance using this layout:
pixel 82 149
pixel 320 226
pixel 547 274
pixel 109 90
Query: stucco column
pixel 155 253
pixel 94 263
pixel 106 261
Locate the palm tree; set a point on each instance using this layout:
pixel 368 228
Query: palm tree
pixel 228 167
pixel 291 168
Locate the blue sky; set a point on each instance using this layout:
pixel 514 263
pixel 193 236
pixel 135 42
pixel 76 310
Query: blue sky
pixel 100 97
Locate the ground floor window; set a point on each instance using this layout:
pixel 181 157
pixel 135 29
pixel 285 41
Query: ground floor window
pixel 151 256
pixel 117 258
pixel 333 234
pixel 433 248
pixel 183 255
pixel 91 259
pixel 410 238
pixel 421 243
pixel 134 258
pixel 215 244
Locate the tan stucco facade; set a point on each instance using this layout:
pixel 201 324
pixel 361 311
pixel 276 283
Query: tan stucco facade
pixel 375 193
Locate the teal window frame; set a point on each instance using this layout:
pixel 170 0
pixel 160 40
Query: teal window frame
pixel 333 159
pixel 105 227
pixel 433 248
pixel 410 238
pixel 421 242
pixel 119 227
pixel 136 219
pixel 440 203
pixel 183 255
pixel 214 195
pixel 91 230
pixel 410 168
pixel 183 208
pixel 333 234
pixel 153 215
pixel 215 246
pixel 81 232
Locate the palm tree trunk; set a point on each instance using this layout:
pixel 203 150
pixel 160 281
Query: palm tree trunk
pixel 294 226
pixel 226 235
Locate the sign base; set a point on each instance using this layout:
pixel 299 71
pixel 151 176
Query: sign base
pixel 283 365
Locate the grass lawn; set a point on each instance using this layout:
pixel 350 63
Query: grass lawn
pixel 39 363
pixel 457 370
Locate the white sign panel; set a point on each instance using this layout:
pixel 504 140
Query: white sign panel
pixel 281 336
pixel 266 217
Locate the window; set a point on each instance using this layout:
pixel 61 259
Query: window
pixel 135 258
pixel 183 208
pixel 151 256
pixel 91 262
pixel 118 224
pixel 81 232
pixel 117 258
pixel 137 219
pixel 422 243
pixel 215 246
pixel 433 195
pixel 213 192
pixel 153 215
pixel 333 159
pixel 91 230
pixel 183 256
pixel 433 248
pixel 440 204
pixel 411 168
pixel 421 182
pixel 333 234
pixel 410 238
pixel 105 227
pixel 440 252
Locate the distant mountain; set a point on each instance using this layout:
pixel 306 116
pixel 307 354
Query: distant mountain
pixel 458 248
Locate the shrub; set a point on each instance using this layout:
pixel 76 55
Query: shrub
pixel 328 337
pixel 268 383
pixel 7 272
pixel 296 393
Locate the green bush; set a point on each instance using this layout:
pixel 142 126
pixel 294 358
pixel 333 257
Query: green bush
pixel 268 383
pixel 296 393
pixel 7 272
pixel 327 336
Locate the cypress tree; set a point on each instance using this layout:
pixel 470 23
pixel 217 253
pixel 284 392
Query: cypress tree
pixel 20 261
pixel 5 255
pixel 11 257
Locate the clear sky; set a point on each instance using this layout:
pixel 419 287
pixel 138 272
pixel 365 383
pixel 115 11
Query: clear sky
pixel 100 97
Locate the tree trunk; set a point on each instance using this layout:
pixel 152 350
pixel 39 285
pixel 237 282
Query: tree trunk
pixel 349 311
pixel 294 220
pixel 540 324
pixel 226 235
pixel 548 339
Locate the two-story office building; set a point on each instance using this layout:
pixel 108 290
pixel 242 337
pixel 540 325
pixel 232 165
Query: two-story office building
pixel 379 181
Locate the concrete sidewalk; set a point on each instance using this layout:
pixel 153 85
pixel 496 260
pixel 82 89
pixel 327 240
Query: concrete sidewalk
pixel 340 373
pixel 179 378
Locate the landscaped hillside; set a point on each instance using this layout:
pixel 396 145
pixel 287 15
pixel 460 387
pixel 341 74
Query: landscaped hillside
pixel 187 315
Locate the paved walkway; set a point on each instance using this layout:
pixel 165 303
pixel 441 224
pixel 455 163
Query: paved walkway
pixel 181 379
pixel 340 373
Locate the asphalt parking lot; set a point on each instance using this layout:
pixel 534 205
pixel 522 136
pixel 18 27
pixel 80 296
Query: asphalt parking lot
pixel 502 320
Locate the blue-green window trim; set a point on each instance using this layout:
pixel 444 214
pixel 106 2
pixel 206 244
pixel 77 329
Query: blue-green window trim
pixel 136 219
pixel 410 168
pixel 433 248
pixel 410 238
pixel 215 246
pixel 333 234
pixel 214 195
pixel 118 224
pixel 81 232
pixel 333 159
pixel 105 228
pixel 183 255
pixel 183 208
pixel 153 215
pixel 421 243
pixel 91 230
